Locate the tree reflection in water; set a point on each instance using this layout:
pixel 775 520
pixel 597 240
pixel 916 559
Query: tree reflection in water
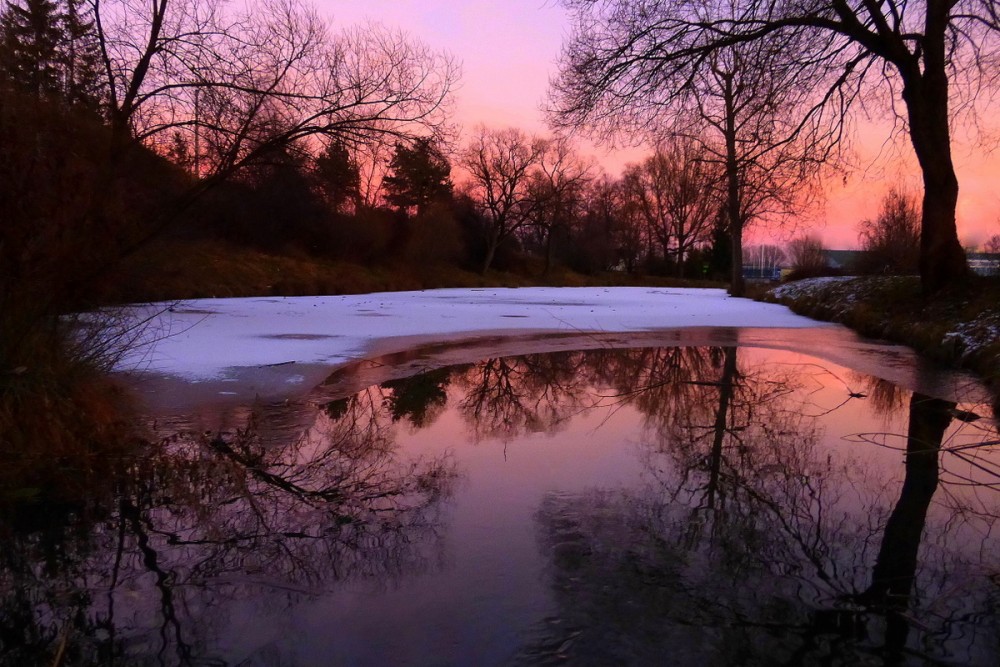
pixel 200 521
pixel 508 397
pixel 752 538
pixel 755 545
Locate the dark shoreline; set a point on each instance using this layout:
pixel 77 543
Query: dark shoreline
pixel 959 328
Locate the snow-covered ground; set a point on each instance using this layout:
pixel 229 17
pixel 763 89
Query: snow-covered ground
pixel 211 338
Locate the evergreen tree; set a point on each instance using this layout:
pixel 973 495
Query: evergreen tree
pixel 80 56
pixel 337 175
pixel 48 49
pixel 419 175
pixel 30 38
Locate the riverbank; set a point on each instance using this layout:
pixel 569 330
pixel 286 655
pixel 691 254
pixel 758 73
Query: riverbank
pixel 194 269
pixel 959 327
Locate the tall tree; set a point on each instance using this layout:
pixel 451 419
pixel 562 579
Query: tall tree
pixel 240 83
pixel 337 175
pixel 499 163
pixel 676 191
pixel 30 38
pixel 556 186
pixel 692 198
pixel 624 52
pixel 48 49
pixel 738 102
pixel 81 56
pixel 645 187
pixel 419 175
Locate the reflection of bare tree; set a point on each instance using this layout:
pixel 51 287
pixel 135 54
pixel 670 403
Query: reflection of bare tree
pixel 658 381
pixel 505 397
pixel 884 397
pixel 266 522
pixel 754 541
pixel 755 545
pixel 896 565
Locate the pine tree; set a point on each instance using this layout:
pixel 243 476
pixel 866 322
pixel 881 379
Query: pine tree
pixel 80 56
pixel 337 175
pixel 48 49
pixel 30 39
pixel 419 175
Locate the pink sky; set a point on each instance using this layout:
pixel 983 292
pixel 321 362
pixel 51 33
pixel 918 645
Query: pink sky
pixel 509 50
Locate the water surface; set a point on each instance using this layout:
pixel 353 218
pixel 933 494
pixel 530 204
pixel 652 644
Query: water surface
pixel 703 505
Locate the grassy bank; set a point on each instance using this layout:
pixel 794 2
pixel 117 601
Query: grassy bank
pixel 196 269
pixel 958 327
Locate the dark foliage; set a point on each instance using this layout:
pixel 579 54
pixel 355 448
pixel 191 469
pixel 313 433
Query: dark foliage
pixel 419 174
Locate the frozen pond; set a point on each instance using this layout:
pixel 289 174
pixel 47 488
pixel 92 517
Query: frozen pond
pixel 711 496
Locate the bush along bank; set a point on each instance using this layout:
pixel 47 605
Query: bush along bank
pixel 959 327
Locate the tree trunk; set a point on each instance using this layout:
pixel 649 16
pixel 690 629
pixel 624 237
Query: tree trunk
pixel 942 259
pixel 896 564
pixel 737 286
pixel 548 252
pixel 491 250
pixel 726 388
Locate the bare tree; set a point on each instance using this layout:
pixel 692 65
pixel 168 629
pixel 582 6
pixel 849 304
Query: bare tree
pixel 608 236
pixel 738 102
pixel 644 185
pixel 557 185
pixel 499 163
pixel 992 244
pixel 679 199
pixel 236 84
pixel 892 239
pixel 627 53
pixel 632 234
pixel 806 253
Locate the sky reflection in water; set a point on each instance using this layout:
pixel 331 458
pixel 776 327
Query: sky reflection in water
pixel 648 506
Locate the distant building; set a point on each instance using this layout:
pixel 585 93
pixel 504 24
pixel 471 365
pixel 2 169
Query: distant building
pixel 981 263
pixel 846 261
pixel 769 273
pixel 984 263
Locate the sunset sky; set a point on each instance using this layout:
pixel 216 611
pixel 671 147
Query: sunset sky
pixel 509 50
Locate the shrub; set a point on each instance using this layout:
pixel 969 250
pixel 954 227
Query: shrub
pixel 892 239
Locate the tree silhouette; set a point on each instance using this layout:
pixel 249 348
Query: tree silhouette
pixel 500 163
pixel 337 175
pixel 419 174
pixel 928 55
pixel 30 41
pixel 49 49
pixel 892 238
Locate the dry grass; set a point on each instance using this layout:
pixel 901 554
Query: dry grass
pixel 63 422
pixel 60 436
pixel 185 270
